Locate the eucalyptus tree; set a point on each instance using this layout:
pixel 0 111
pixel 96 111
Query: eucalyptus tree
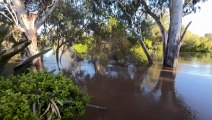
pixel 28 16
pixel 110 41
pixel 133 9
pixel 125 12
pixel 172 38
pixel 65 27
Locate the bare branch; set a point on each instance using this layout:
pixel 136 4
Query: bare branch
pixel 9 9
pixel 182 36
pixel 15 16
pixel 49 11
pixel 10 33
pixel 22 18
pixel 6 16
pixel 120 1
pixel 185 5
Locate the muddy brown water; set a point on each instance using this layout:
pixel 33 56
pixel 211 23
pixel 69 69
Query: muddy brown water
pixel 144 93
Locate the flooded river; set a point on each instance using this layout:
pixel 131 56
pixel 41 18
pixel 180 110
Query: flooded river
pixel 144 93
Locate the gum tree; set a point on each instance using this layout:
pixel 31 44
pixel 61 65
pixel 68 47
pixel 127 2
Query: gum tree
pixel 134 11
pixel 28 16
pixel 171 38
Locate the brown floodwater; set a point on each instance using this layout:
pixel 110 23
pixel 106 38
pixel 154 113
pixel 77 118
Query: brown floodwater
pixel 144 93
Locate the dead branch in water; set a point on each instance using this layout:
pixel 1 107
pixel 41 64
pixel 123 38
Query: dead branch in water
pixel 88 105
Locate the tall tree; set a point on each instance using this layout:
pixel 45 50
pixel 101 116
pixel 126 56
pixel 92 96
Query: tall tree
pixel 65 27
pixel 133 13
pixel 172 38
pixel 28 16
pixel 124 12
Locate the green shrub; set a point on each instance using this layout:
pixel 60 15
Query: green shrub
pixel 138 54
pixel 39 96
pixel 80 48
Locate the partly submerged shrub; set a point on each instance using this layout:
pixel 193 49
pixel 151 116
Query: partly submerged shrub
pixel 39 96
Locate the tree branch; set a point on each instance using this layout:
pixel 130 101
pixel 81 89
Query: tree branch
pixel 13 51
pixel 185 14
pixel 157 19
pixel 182 36
pixel 20 14
pixel 1 12
pixel 9 9
pixel 43 18
pixel 186 4
pixel 140 38
pixel 154 16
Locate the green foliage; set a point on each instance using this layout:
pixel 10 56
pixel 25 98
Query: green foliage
pixel 194 43
pixel 148 44
pixel 112 22
pixel 138 54
pixel 80 48
pixel 65 24
pixel 209 36
pixel 110 42
pixel 40 96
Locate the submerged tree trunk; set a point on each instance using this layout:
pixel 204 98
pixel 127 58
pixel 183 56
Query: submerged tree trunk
pixel 171 39
pixel 32 50
pixel 174 36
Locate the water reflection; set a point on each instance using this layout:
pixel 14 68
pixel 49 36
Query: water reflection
pixel 138 98
pixel 170 105
pixel 149 93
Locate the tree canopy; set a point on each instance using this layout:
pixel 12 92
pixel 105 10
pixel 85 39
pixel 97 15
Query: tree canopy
pixel 113 25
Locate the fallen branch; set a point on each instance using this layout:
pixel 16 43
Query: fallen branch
pixel 88 105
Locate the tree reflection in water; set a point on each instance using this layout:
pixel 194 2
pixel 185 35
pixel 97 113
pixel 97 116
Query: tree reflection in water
pixel 170 105
pixel 131 93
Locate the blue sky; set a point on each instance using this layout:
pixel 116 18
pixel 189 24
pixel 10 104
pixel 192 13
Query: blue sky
pixel 202 20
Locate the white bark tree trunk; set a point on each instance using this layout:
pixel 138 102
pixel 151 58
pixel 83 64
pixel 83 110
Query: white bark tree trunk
pixel 174 34
pixel 28 23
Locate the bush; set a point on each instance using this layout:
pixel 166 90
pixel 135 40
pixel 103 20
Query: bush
pixel 138 54
pixel 40 96
pixel 80 48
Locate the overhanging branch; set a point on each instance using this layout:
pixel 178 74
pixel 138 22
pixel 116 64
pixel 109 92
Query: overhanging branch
pixel 13 51
pixel 49 11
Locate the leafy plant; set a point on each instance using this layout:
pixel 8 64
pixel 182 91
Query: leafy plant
pixel 80 48
pixel 40 96
pixel 138 54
